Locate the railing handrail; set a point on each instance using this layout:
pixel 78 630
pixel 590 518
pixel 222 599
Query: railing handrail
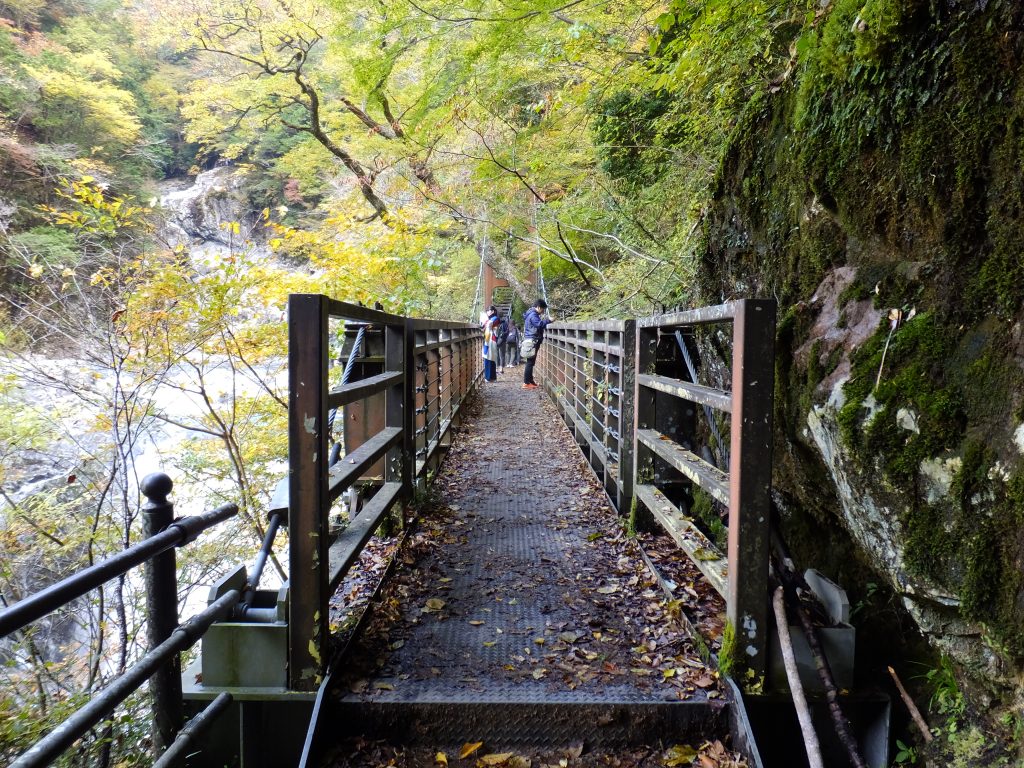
pixel 416 419
pixel 179 533
pixel 576 368
pixel 47 749
pixel 166 636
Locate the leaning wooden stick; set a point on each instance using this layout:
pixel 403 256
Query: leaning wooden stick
pixel 914 711
pixel 842 725
pixel 799 700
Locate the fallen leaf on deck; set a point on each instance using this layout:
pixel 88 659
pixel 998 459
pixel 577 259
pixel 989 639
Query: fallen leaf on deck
pixel 681 754
pixel 607 590
pixel 476 623
pixel 441 758
pixel 469 748
pixel 706 554
pixel 497 759
pixel 433 604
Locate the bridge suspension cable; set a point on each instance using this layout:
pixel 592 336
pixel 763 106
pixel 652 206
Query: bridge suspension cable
pixel 540 265
pixel 479 279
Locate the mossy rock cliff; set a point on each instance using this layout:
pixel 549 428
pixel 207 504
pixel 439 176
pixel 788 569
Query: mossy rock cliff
pixel 879 196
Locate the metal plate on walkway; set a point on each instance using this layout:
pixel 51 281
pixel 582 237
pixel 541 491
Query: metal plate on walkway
pixel 520 613
pixel 503 725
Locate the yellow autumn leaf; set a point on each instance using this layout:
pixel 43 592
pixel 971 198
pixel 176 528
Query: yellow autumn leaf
pixel 681 754
pixel 441 758
pixel 36 270
pixel 469 748
pixel 496 759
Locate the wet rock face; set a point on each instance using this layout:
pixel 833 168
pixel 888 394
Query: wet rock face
pixel 204 210
pixel 872 515
pixel 900 355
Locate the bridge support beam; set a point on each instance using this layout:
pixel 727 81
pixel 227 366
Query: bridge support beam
pixel 750 478
pixel 307 490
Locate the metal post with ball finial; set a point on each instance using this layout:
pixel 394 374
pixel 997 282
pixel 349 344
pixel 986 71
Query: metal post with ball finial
pixel 162 612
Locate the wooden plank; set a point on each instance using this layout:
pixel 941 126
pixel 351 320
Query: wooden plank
pixel 687 536
pixel 420 324
pixel 351 467
pixel 590 325
pixel 712 480
pixel 361 314
pixel 695 393
pixel 359 390
pixel 572 341
pixel 350 542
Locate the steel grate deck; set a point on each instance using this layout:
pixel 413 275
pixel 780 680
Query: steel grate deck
pixel 518 615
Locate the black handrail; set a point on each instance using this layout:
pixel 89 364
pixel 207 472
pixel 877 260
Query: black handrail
pixel 194 728
pixel 177 534
pixel 50 747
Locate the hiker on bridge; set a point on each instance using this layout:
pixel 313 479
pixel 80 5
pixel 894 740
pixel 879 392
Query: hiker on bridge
pixel 512 344
pixel 534 323
pixel 490 351
pixel 501 335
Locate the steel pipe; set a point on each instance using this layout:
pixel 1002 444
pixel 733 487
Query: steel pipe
pixel 192 730
pixel 261 561
pixel 177 534
pixel 50 747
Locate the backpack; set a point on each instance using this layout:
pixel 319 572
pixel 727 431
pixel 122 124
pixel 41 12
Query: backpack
pixel 502 334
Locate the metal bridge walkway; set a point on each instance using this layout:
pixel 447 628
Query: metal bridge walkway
pixel 520 614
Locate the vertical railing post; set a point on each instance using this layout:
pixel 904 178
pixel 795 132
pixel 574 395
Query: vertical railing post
pixel 399 352
pixel 600 397
pixel 627 400
pixel 645 403
pixel 750 477
pixel 162 609
pixel 307 488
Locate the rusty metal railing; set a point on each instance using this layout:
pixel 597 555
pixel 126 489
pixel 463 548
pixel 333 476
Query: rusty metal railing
pixel 588 370
pixel 397 423
pixel 628 391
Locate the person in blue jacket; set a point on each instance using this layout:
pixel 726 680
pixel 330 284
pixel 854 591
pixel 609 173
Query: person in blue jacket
pixel 534 323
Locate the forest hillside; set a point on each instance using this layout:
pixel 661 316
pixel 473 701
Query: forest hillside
pixel 170 171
